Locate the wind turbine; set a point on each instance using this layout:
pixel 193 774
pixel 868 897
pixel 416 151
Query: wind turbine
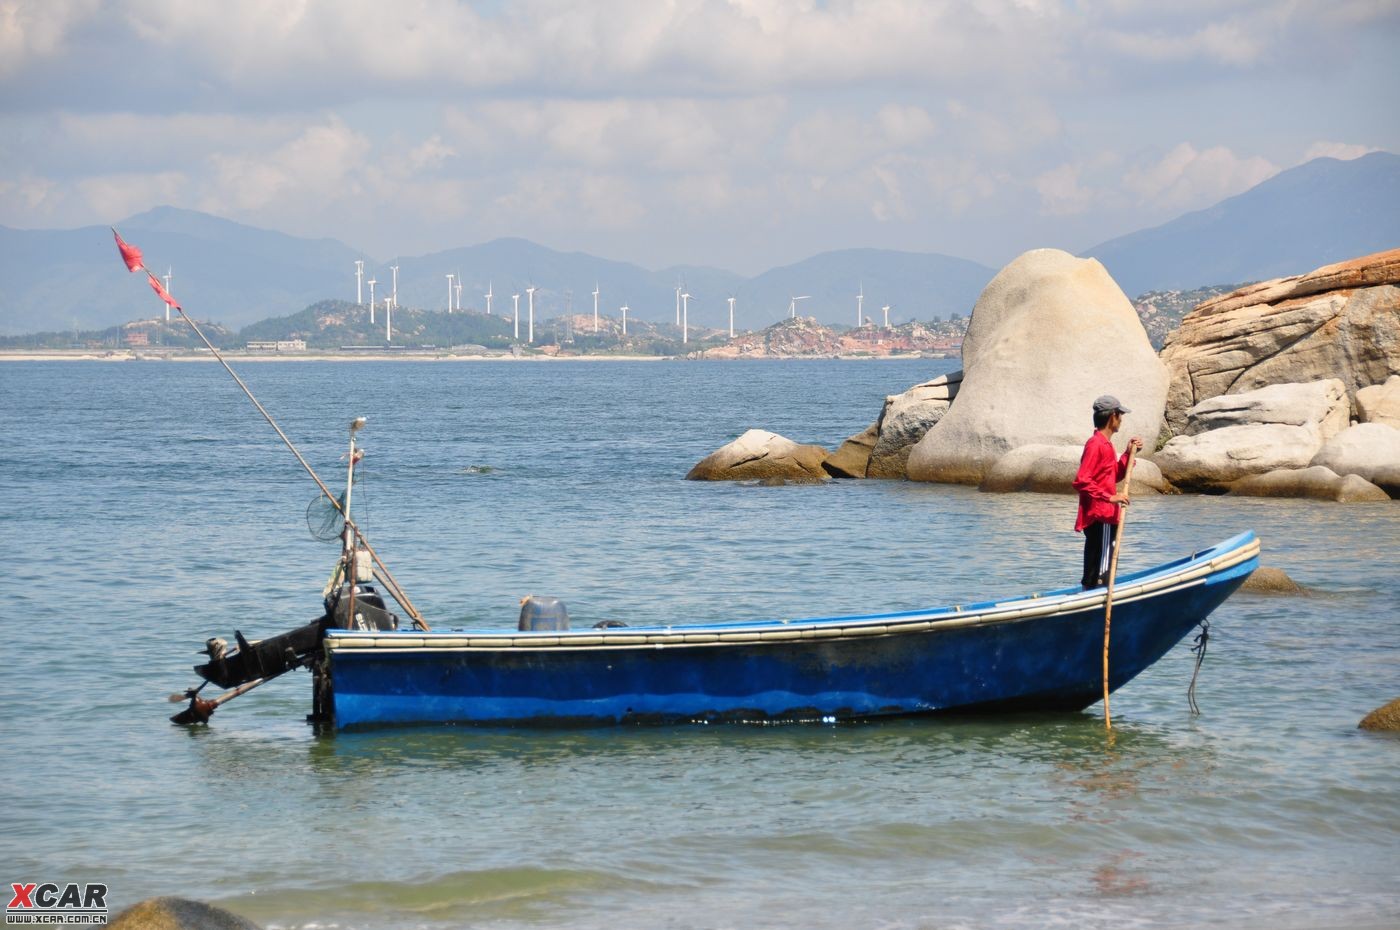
pixel 860 299
pixel 530 292
pixel 169 273
pixel 359 279
pixel 488 295
pixel 449 292
pixel 679 288
pixel 792 305
pixel 625 308
pixel 388 319
pixel 458 285
pixel 516 299
pixel 886 308
pixel 731 317
pixel 685 318
pixel 595 307
pixel 371 283
pixel 395 295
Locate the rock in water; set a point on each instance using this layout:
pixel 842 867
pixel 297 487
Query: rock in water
pixel 1383 719
pixel 1272 581
pixel 1050 333
pixel 853 457
pixel 759 454
pixel 1315 482
pixel 1232 436
pixel 1340 321
pixel 1051 469
pixel 178 914
pixel 1380 403
pixel 1371 450
pixel 907 418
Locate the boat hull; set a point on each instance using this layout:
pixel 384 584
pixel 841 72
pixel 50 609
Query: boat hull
pixel 1039 653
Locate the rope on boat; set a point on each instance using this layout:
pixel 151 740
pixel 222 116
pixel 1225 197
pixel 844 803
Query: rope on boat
pixel 1202 641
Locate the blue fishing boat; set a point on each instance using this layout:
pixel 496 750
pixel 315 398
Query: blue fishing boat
pixel 1036 653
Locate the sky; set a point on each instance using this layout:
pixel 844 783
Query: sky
pixel 743 134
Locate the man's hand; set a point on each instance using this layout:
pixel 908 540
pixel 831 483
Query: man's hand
pixel 1120 499
pixel 1135 443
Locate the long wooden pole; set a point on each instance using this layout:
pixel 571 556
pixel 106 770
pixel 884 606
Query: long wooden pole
pixel 1112 576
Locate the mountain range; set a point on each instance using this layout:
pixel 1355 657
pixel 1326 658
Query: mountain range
pixel 1319 212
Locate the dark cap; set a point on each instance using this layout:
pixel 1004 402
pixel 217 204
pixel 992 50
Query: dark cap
pixel 1108 404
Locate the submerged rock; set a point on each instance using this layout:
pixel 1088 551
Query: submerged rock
pixel 1051 469
pixel 178 914
pixel 1267 580
pixel 1050 333
pixel 1316 482
pixel 1340 321
pixel 1385 719
pixel 759 454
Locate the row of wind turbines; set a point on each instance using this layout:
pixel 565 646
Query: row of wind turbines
pixel 454 301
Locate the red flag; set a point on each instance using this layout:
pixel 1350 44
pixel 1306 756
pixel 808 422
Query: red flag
pixel 130 253
pixel 156 286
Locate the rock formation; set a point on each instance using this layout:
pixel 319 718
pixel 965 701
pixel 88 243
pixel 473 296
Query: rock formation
pixel 1371 450
pixel 1051 469
pixel 853 457
pixel 759 454
pixel 1340 321
pixel 1380 403
pixel 1316 482
pixel 1266 580
pixel 1236 435
pixel 1049 334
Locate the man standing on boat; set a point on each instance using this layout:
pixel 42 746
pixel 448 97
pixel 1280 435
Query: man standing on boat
pixel 1100 470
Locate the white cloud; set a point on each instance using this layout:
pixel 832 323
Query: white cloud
pixel 113 196
pixel 1185 178
pixel 321 164
pixel 32 30
pixel 1342 151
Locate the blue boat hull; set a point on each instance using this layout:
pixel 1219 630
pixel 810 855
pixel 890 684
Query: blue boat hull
pixel 1044 652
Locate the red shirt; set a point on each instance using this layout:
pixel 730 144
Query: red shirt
pixel 1100 470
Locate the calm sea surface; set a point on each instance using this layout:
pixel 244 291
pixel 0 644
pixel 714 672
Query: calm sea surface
pixel 146 507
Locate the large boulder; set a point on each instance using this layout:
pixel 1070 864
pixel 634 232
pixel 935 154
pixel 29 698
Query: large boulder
pixel 1315 482
pixel 905 419
pixel 1380 403
pixel 1340 321
pixel 760 454
pixel 1230 437
pixel 1371 450
pixel 1051 470
pixel 1384 719
pixel 1049 334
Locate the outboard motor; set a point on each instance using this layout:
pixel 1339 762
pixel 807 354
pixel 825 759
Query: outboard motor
pixel 371 613
pixel 543 613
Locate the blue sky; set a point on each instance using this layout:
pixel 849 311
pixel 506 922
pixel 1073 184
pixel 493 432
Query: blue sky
pixel 742 134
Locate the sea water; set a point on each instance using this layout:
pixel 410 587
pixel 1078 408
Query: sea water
pixel 146 507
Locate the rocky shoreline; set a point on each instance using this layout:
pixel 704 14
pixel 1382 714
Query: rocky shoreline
pixel 1288 387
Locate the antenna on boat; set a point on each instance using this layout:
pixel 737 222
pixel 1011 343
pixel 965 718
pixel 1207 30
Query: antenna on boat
pixel 134 262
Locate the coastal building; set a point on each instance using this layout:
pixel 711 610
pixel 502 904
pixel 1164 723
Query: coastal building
pixel 279 345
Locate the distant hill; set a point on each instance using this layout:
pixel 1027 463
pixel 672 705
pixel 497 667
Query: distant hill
pixel 1312 215
pixel 64 280
pixel 226 271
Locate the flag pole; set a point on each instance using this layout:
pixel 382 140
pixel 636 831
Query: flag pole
pixel 134 262
pixel 1112 576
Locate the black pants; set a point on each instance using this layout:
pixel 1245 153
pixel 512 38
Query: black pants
pixel 1099 540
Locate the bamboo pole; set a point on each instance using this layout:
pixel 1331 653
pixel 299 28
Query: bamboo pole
pixel 1112 576
pixel 390 582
